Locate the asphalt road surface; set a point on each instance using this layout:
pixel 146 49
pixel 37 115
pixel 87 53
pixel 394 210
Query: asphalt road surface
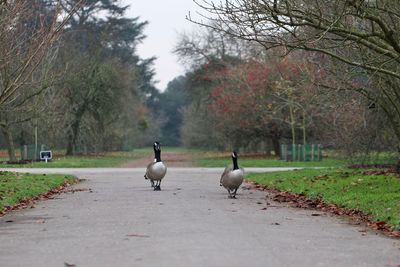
pixel 121 221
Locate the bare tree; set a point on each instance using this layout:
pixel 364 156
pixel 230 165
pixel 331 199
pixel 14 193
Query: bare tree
pixel 362 36
pixel 28 31
pixel 204 45
pixel 315 25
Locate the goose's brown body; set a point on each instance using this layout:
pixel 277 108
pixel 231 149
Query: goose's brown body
pixel 232 177
pixel 156 170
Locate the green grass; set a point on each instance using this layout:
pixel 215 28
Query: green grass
pixel 15 187
pixel 267 162
pixel 108 159
pixel 376 195
pixel 113 159
pixel 331 159
pixel 201 158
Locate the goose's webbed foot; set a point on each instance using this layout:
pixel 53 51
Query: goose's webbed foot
pixel 157 188
pixel 234 193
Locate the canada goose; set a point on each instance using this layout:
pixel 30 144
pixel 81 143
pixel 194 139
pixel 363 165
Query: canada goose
pixel 232 177
pixel 156 170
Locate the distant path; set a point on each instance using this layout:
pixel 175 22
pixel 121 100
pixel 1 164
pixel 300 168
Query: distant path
pixel 122 222
pixel 171 159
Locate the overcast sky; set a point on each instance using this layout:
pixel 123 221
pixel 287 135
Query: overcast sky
pixel 166 19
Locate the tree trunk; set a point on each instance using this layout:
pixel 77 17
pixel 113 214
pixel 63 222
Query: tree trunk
pixel 9 142
pixel 70 146
pixel 292 118
pixel 72 137
pixel 101 129
pixel 398 160
pixel 73 134
pixel 275 138
pixel 304 128
pixel 277 146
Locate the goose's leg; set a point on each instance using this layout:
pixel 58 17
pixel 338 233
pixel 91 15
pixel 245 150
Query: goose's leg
pixel 152 183
pixel 157 186
pixel 230 195
pixel 234 193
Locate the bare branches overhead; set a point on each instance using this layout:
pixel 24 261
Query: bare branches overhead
pixel 323 26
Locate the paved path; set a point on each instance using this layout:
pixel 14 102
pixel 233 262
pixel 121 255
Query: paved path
pixel 191 222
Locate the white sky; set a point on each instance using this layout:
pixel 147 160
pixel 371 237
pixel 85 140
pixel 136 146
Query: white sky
pixel 166 20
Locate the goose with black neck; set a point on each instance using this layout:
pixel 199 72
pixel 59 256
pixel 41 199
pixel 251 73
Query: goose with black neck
pixel 232 177
pixel 156 170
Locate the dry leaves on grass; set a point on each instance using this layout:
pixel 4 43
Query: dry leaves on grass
pixel 301 201
pixel 29 202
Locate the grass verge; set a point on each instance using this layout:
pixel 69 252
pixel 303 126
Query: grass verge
pixel 19 187
pixel 375 195
pixel 112 159
pixel 209 161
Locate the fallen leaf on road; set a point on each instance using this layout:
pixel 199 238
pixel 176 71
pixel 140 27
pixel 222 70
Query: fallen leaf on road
pixel 77 190
pixel 66 264
pixel 138 235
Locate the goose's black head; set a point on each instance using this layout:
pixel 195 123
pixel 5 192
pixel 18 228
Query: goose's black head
pixel 157 146
pixel 234 154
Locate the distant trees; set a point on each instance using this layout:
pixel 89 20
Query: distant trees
pixel 255 102
pixel 100 76
pixel 208 55
pixel 260 73
pixel 198 120
pixel 261 101
pixel 171 105
pixel 28 32
pixel 358 40
pixel 70 76
pixel 235 98
pixel 259 98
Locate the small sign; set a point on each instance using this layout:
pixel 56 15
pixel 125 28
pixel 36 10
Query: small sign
pixel 46 155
